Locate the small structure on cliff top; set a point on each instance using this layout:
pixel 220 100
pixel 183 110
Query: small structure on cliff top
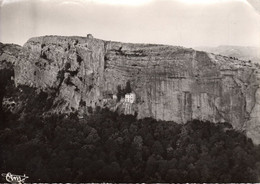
pixel 90 36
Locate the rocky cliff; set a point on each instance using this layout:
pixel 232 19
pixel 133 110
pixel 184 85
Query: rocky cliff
pixel 8 56
pixel 170 83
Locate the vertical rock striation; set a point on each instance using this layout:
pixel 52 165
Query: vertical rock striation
pixel 171 83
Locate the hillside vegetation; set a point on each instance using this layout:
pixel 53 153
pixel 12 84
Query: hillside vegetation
pixel 106 146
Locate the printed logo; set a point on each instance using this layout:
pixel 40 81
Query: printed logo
pixel 11 178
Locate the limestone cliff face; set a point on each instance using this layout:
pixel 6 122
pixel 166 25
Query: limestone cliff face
pixel 8 55
pixel 171 83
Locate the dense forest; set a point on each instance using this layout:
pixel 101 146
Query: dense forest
pixel 109 147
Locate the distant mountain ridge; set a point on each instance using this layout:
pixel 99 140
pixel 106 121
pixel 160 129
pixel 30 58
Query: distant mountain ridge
pixel 240 52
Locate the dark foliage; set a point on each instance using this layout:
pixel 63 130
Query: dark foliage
pixel 107 147
pixel 118 148
pixel 5 81
pixel 121 92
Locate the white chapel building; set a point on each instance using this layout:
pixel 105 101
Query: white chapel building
pixel 130 97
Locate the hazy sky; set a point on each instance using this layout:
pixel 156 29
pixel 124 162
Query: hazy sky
pixel 176 22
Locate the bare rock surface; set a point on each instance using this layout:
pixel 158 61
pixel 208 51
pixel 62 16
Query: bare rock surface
pixel 170 82
pixel 8 55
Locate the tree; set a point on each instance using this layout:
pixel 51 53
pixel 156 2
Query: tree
pixel 128 87
pixel 157 148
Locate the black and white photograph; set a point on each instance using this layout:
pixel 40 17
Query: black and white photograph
pixel 129 91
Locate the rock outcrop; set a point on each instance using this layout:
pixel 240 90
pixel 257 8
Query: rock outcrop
pixel 170 83
pixel 8 55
